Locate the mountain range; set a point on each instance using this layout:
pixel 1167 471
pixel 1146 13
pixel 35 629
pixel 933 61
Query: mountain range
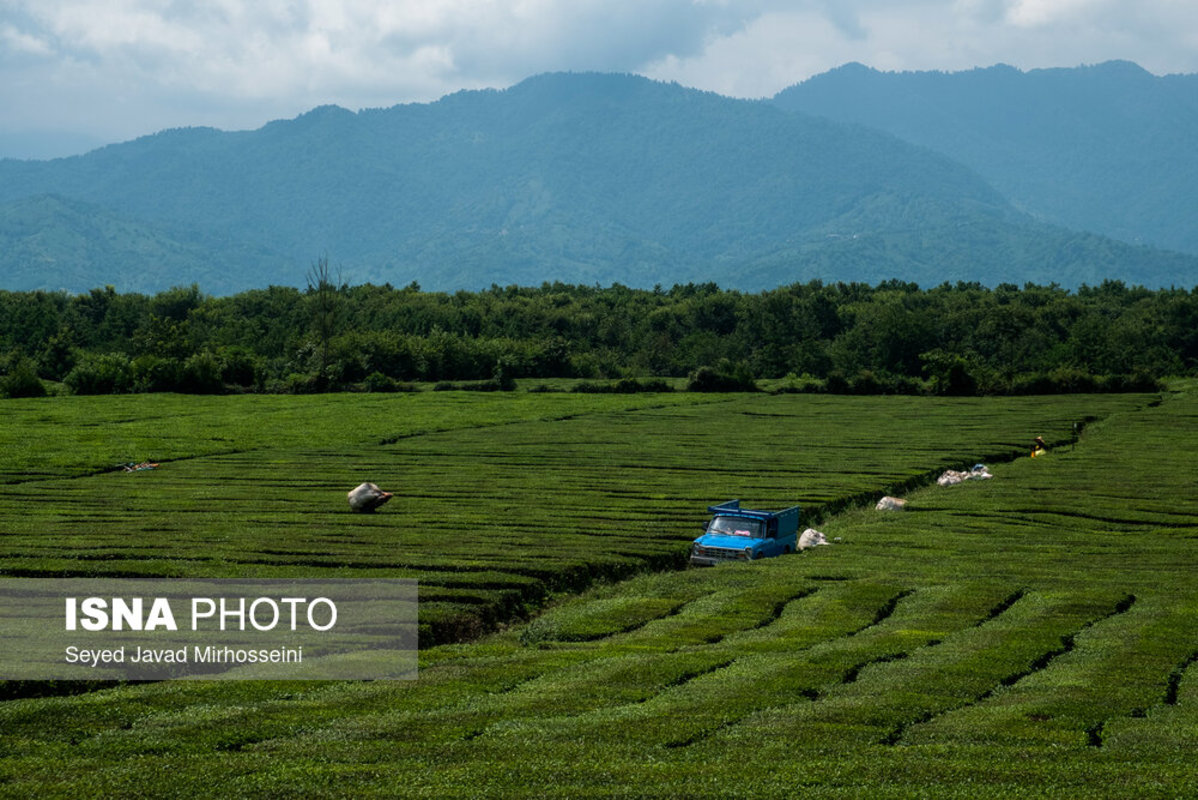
pixel 1107 148
pixel 600 178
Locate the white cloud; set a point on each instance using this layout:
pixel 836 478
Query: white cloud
pixel 799 44
pixel 120 68
pixel 357 50
pixel 16 42
pixel 1034 13
pixel 786 45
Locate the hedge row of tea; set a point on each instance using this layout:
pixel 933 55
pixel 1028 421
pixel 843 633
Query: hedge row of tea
pixel 500 504
pixel 1033 635
pixel 843 338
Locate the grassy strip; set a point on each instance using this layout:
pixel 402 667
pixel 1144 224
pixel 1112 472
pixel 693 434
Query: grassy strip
pixel 51 438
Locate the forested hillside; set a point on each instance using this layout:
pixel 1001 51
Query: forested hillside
pixel 582 178
pixel 894 337
pixel 1106 148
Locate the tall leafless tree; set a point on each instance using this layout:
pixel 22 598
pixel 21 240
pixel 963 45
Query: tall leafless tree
pixel 324 303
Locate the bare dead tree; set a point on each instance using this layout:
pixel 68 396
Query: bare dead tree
pixel 324 304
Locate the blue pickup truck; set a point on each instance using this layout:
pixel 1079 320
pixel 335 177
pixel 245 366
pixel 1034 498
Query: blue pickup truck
pixel 738 534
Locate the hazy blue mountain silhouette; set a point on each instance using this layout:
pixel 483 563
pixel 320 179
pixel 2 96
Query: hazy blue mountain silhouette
pixel 1106 148
pixel 584 178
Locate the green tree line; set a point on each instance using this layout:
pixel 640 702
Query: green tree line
pixel 839 337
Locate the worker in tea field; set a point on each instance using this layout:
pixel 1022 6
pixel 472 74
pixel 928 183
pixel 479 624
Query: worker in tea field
pixel 1039 448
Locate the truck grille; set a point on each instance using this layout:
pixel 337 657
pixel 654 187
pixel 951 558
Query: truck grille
pixel 711 555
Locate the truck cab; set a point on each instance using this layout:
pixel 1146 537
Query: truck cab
pixel 741 534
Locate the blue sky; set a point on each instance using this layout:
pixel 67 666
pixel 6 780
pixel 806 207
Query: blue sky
pixel 75 74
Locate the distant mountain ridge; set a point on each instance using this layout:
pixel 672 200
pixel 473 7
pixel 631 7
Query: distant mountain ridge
pixel 583 178
pixel 1107 148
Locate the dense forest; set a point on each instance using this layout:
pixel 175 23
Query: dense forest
pixel 892 337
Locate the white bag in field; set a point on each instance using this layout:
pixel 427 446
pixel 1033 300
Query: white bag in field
pixel 367 497
pixel 812 538
pixel 952 477
pixel 891 504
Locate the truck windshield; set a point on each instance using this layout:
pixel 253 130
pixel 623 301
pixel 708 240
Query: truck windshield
pixel 736 526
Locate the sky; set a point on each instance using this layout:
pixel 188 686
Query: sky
pixel 77 74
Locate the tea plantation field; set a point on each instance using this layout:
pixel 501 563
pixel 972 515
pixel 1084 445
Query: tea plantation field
pixel 1029 636
pixel 502 500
